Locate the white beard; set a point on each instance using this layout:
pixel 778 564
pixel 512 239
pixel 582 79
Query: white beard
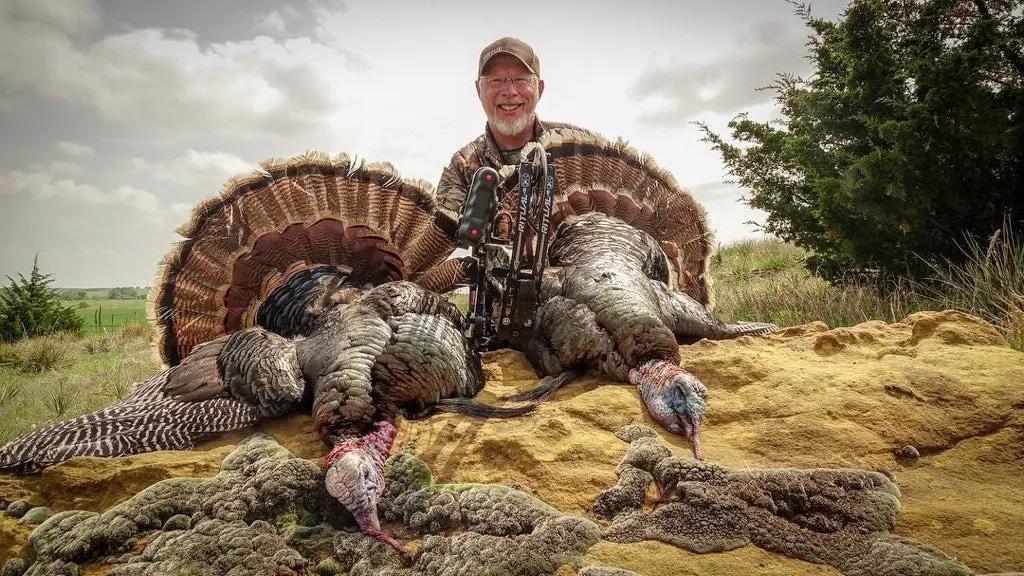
pixel 510 127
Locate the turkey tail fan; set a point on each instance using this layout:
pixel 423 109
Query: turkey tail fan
pixel 595 174
pixel 274 243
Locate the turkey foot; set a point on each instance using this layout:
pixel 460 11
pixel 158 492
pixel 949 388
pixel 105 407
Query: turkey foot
pixel 355 477
pixel 674 398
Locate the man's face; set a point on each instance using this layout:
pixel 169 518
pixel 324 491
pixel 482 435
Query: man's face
pixel 509 94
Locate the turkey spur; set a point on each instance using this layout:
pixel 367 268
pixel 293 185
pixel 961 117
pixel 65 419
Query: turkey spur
pixel 605 306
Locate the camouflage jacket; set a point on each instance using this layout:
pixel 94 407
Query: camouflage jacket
pixel 453 186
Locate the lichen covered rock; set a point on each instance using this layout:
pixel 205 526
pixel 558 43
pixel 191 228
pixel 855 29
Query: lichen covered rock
pixel 267 512
pixel 184 524
pixel 840 517
pixel 36 516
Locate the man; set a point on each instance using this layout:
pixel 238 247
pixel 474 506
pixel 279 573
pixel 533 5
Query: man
pixel 509 86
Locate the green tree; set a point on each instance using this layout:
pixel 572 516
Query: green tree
pixel 29 307
pixel 121 293
pixel 905 140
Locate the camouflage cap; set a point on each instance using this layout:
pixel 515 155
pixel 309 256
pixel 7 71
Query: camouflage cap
pixel 513 47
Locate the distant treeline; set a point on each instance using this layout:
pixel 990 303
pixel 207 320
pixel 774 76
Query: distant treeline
pixel 117 293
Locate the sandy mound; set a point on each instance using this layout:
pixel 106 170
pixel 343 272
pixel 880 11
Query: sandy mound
pixel 928 412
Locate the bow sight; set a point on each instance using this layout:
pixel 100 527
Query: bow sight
pixel 519 277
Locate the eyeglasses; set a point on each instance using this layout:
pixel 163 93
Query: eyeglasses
pixel 520 82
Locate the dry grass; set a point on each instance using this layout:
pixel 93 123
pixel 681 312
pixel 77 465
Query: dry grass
pixel 988 284
pixel 140 331
pixel 9 390
pixel 765 280
pixel 53 352
pixel 92 372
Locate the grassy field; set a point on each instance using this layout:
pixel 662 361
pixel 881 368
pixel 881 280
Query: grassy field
pixel 99 293
pixel 765 280
pixel 57 377
pixel 113 314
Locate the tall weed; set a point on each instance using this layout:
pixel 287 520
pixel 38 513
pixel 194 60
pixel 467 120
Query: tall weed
pixel 137 331
pixel 765 280
pixel 989 283
pixel 10 389
pixel 53 352
pixel 61 400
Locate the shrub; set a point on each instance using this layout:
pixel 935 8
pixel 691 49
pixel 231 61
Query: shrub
pixel 903 140
pixel 29 307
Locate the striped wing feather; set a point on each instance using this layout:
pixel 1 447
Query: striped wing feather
pixel 150 419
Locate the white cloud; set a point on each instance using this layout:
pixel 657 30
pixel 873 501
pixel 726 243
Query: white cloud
pixel 195 169
pixel 45 184
pixel 66 167
pixel 75 149
pixel 67 16
pixel 191 113
pixel 677 93
pixel 167 78
pixel 729 216
pixel 272 23
pixel 707 192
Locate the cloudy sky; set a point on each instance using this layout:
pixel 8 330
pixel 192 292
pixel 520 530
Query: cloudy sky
pixel 116 116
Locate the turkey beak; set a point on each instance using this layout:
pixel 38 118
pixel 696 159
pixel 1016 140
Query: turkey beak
pixel 694 436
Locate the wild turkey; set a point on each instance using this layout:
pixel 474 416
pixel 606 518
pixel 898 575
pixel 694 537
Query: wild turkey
pixel 294 250
pixel 604 306
pixel 628 276
pixel 263 250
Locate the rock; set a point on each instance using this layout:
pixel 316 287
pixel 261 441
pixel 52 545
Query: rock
pixel 605 571
pixel 477 529
pixel 944 382
pixel 801 440
pixel 18 508
pixel 328 567
pixel 93 483
pixel 908 452
pixel 14 567
pixel 36 516
pixel 842 518
pixel 177 522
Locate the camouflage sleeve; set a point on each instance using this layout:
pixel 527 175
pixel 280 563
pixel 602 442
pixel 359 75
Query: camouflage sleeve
pixel 453 187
